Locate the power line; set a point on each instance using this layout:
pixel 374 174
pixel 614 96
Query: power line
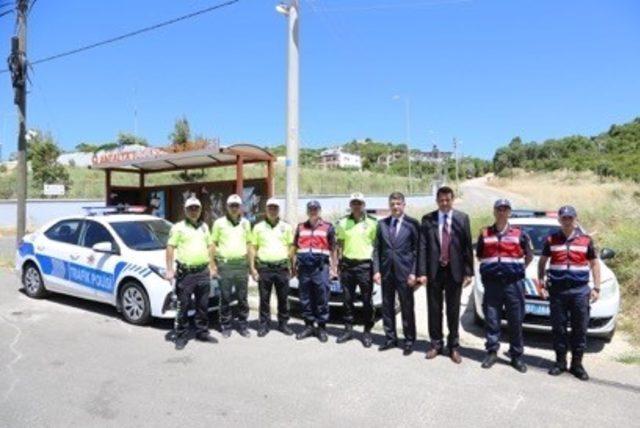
pixel 130 34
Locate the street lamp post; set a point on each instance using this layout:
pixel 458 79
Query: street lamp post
pixel 407 114
pixel 291 11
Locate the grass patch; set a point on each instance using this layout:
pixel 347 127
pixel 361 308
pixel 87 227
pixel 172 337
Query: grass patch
pixel 629 359
pixel 90 184
pixel 609 209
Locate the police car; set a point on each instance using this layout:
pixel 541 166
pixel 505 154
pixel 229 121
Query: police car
pixel 604 312
pixel 114 258
pixel 335 298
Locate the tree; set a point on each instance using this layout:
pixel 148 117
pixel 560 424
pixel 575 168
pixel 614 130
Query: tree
pixel 181 134
pixel 87 147
pixel 43 154
pixel 126 139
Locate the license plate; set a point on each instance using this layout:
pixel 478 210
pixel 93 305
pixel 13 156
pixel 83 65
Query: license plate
pixel 537 309
pixel 336 287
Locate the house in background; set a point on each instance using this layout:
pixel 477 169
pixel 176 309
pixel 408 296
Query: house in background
pixel 337 158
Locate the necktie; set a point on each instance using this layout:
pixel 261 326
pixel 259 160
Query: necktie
pixel 446 243
pixel 394 228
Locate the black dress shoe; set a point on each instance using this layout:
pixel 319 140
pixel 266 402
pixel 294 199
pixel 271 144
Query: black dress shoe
pixel 389 344
pixel 579 372
pixel 244 332
pixel 519 365
pixel 285 329
pixel 206 337
pixel 226 333
pixel 322 334
pixel 367 340
pixel 346 336
pixel 307 332
pixel 181 342
pixel 407 348
pixel 489 360
pixel 263 330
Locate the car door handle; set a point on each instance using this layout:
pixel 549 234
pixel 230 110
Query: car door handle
pixel 74 256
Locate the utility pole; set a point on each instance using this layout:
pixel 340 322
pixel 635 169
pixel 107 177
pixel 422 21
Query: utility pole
pixel 455 153
pixel 291 11
pixel 18 67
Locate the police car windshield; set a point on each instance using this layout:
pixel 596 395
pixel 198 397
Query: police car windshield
pixel 538 233
pixel 145 235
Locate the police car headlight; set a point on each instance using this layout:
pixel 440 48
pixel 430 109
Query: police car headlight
pixel 160 271
pixel 608 288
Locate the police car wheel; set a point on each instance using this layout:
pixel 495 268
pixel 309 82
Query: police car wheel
pixel 32 281
pixel 134 304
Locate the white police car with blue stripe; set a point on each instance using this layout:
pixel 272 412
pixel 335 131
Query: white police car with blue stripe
pixel 116 259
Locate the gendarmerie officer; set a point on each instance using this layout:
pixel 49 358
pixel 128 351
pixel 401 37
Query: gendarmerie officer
pixel 269 258
pixel 504 252
pixel 188 246
pixel 230 236
pixel 314 242
pixel 355 235
pixel 571 255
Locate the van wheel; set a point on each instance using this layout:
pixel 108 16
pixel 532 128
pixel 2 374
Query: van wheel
pixel 134 303
pixel 32 282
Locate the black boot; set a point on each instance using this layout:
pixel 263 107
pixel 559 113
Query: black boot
pixel 181 342
pixel 347 335
pixel 576 366
pixel 284 328
pixel 307 332
pixel 367 340
pixel 321 332
pixel 263 330
pixel 489 360
pixel 560 365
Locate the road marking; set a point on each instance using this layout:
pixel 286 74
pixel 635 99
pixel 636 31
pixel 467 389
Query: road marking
pixel 18 356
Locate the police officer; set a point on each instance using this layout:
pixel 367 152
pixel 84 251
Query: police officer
pixel 188 245
pixel 230 236
pixel 504 252
pixel 571 255
pixel 271 242
pixel 315 260
pixel 355 235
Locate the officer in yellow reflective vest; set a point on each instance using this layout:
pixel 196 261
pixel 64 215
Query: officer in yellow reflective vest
pixel 188 247
pixel 269 257
pixel 230 236
pixel 355 235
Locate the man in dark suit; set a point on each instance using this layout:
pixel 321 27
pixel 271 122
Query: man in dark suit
pixel 445 265
pixel 394 266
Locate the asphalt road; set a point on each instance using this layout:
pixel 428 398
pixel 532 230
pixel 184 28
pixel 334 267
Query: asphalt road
pixel 65 362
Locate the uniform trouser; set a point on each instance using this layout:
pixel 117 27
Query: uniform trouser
pixel 313 288
pixel 198 284
pixel 444 288
pixel 405 295
pixel 497 296
pixel 233 275
pixel 351 277
pixel 278 278
pixel 569 305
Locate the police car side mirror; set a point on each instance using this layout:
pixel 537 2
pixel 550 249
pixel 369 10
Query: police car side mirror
pixel 104 247
pixel 607 253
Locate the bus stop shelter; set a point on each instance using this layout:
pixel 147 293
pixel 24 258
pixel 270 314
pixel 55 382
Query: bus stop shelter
pixel 167 200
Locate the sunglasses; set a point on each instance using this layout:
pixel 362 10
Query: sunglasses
pixel 234 205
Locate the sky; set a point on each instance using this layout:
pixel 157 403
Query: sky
pixel 482 71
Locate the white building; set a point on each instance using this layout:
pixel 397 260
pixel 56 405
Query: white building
pixel 336 158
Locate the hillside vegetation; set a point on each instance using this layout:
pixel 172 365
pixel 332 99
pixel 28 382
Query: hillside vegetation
pixel 615 153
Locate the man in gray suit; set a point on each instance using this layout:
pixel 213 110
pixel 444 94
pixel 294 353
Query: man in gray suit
pixel 445 266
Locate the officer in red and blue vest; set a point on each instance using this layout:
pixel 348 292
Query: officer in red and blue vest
pixel 315 254
pixel 504 252
pixel 571 256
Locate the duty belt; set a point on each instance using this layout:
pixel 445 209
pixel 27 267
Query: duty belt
pixel 186 269
pixel 283 264
pixel 354 262
pixel 237 261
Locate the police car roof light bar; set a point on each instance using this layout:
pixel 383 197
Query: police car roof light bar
pixel 115 209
